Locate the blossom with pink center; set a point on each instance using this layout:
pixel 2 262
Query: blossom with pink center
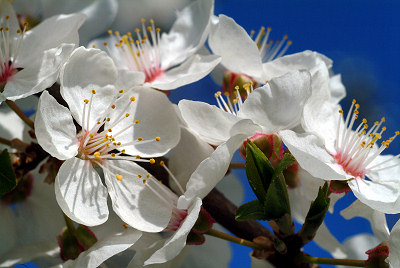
pixel 334 151
pixel 165 61
pixel 116 128
pixel 30 60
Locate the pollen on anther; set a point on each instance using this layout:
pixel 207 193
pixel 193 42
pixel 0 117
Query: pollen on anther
pixel 119 177
pixel 108 119
pixel 341 111
pixel 98 122
pixel 357 106
pixel 125 225
pixel 86 101
pixel 93 91
pixel 97 155
pixel 383 119
pixel 136 121
pixel 140 139
pixel 121 91
pixel 158 138
pixel 132 98
pixel 127 114
pixel 91 135
pixel 364 120
pixel 152 161
pixel 139 176
pixel 112 154
pixel 148 175
pixel 109 130
pixel 105 44
pixel 144 181
pixel 113 106
pixel 161 163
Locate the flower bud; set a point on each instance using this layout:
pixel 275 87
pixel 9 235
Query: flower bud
pixel 73 243
pixel 378 255
pixel 233 80
pixel 270 144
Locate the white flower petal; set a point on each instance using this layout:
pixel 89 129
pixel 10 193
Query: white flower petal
pixel 188 33
pixel 36 78
pixel 6 9
pixel 376 218
pixel 327 241
pixel 279 104
pixel 55 129
pixel 210 171
pixel 87 70
pixel 357 245
pixel 157 118
pixel 239 52
pixel 105 249
pixel 192 70
pixel 129 79
pixel 134 201
pixel 382 196
pixel 394 246
pixel 177 241
pixel 311 155
pixel 211 123
pixel 186 156
pixel 80 193
pixel 338 91
pixel 99 16
pixel 48 34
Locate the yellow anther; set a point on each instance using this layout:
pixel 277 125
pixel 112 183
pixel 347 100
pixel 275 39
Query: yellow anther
pixel 129 34
pixel 148 175
pixel 113 106
pixel 94 46
pixel 125 225
pixel 138 157
pixel 376 123
pixel 158 30
pixel 121 91
pixel 144 38
pixel 290 42
pixel 119 177
pixel 364 121
pixel 136 121
pixel 371 135
pixel 142 20
pixel 91 135
pixel 363 132
pixel 140 139
pixel 158 138
pixel 113 139
pixel 383 119
pixel 151 21
pixel 397 132
pixel 112 154
pixel 139 176
pixel 216 95
pixel 97 155
pixel 108 119
pixel 237 87
pixel 116 33
pixel 341 111
pixel 137 30
pixel 107 145
pixel 119 143
pixel 109 32
pixel 123 151
pixel 109 130
pixel 93 91
pixel 18 31
pixel 365 126
pixel 357 106
pixel 226 94
pixel 138 54
pixel 105 44
pixel 132 98
pixel 114 143
pixel 356 112
pixel 356 116
pixel 149 28
pixel 354 101
pixel 161 163
pixel 144 181
pixel 152 161
pixel 384 128
pixel 7 17
pixel 127 115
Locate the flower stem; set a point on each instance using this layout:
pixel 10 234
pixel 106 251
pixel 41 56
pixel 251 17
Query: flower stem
pixel 310 259
pixel 70 225
pixel 20 113
pixel 237 165
pixel 233 239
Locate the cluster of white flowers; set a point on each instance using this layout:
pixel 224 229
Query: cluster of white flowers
pixel 105 123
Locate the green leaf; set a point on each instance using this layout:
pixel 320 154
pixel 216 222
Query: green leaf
pixel 253 210
pixel 258 170
pixel 8 180
pixel 277 198
pixel 316 214
pixel 286 161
